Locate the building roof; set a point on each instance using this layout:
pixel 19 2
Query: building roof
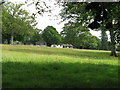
pixel 70 45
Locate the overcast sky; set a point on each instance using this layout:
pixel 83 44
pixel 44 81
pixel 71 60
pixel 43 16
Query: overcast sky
pixel 45 20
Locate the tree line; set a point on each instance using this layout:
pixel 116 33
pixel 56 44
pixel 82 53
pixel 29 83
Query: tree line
pixel 19 25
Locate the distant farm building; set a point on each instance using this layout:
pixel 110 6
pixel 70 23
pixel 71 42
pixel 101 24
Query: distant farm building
pixel 41 43
pixel 67 46
pixel 57 46
pixel 62 46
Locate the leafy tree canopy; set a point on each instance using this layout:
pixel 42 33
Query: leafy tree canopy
pixel 16 21
pixel 51 36
pixel 79 37
pixel 95 15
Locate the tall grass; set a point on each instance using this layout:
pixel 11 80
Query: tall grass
pixel 46 67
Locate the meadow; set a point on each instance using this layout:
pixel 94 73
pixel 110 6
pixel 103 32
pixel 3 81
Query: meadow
pixel 45 67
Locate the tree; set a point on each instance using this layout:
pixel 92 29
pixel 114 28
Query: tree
pixel 94 15
pixel 79 37
pixel 17 21
pixel 105 16
pixel 51 36
pixel 6 21
pixel 104 39
pixel 36 37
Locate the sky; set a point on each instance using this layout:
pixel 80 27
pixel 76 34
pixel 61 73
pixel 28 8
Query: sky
pixel 45 20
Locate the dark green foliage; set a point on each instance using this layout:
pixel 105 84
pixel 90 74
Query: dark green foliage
pixel 36 37
pixel 95 15
pixel 109 25
pixel 93 5
pixel 94 25
pixel 79 37
pixel 107 15
pixel 108 19
pixel 51 36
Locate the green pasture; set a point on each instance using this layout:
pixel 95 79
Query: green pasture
pixel 46 67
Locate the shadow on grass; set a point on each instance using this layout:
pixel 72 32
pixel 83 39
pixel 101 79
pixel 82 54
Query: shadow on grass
pixel 67 52
pixel 58 75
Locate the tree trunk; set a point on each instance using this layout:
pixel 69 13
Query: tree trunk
pixel 8 40
pixel 113 48
pixel 11 40
pixel 104 39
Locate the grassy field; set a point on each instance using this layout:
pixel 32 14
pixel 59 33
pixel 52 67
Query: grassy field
pixel 45 67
